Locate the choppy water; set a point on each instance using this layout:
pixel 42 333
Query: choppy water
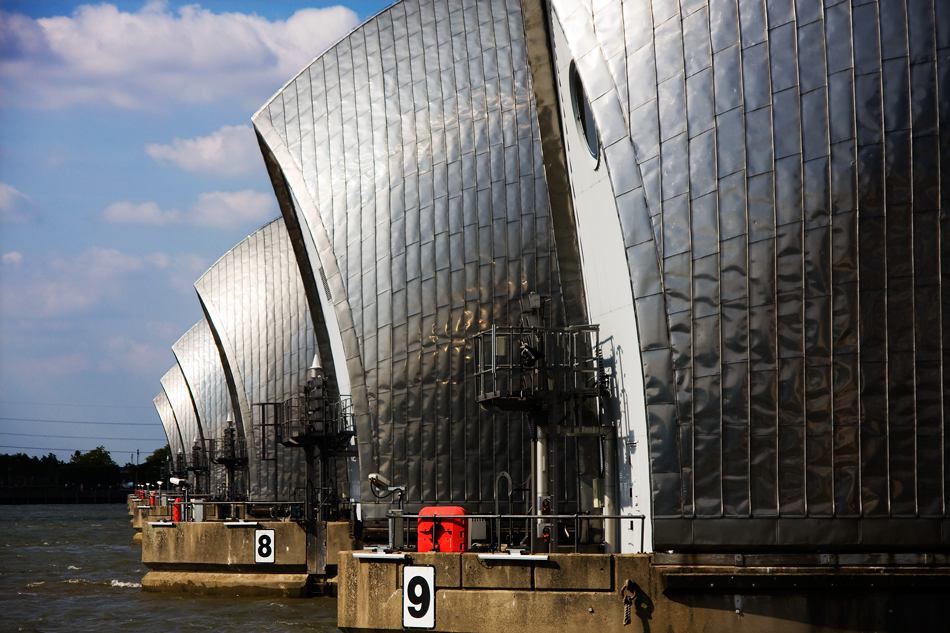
pixel 74 568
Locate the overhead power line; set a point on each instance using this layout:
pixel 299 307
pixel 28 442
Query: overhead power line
pixel 80 422
pixel 84 437
pixel 55 450
pixel 85 406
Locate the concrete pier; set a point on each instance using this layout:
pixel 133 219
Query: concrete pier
pixel 242 558
pixel 219 558
pixel 139 511
pixel 669 593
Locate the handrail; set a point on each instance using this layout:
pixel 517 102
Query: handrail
pixel 536 517
pixel 591 517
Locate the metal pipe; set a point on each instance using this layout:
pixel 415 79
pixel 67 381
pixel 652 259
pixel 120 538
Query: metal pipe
pixel 494 351
pixel 497 509
pixel 610 491
pixel 541 481
pixel 535 493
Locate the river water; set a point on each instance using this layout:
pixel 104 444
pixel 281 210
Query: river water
pixel 74 568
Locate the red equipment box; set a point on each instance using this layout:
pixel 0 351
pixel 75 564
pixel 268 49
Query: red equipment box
pixel 443 535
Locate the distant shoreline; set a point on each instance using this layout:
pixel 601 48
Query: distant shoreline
pixel 39 495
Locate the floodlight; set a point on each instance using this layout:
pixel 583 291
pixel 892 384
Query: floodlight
pixel 379 481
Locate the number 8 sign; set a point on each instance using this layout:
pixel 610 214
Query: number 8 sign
pixel 264 546
pixel 418 597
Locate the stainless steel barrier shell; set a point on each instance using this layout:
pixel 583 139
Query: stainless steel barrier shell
pixel 181 403
pixel 200 364
pixel 169 422
pixel 408 159
pixel 778 173
pixel 254 301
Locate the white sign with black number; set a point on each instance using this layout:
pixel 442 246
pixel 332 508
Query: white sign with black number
pixel 264 546
pixel 418 597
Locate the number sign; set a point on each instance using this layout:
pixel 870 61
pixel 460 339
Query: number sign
pixel 418 597
pixel 264 546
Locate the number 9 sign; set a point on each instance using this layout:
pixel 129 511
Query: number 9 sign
pixel 418 597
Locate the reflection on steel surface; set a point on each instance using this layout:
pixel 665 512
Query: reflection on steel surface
pixel 777 176
pixel 167 415
pixel 182 404
pixel 254 301
pixel 200 364
pixel 413 155
pixel 787 262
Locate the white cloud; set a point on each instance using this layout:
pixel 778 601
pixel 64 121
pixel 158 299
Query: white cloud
pixel 230 151
pixel 218 209
pixel 58 286
pixel 15 207
pixel 147 59
pixel 13 258
pixel 227 209
pixel 162 330
pixel 59 365
pixel 182 271
pixel 95 323
pixel 128 354
pixel 143 213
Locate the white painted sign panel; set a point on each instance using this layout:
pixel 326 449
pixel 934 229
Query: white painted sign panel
pixel 418 597
pixel 263 546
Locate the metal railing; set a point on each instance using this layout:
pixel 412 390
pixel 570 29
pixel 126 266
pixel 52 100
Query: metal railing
pixel 227 449
pixel 527 364
pixel 307 416
pixel 199 458
pixel 528 519
pixel 180 464
pixel 194 508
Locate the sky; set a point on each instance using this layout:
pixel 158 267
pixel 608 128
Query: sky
pixel 128 166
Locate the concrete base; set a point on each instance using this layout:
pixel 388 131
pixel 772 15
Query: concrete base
pixel 137 539
pixel 581 593
pixel 140 516
pixel 228 584
pixel 214 558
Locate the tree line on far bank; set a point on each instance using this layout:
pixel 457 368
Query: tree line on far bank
pixel 93 469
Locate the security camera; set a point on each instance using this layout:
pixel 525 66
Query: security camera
pixel 379 481
pixel 175 481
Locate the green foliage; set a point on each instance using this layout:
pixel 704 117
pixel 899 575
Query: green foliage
pixel 22 470
pixel 161 455
pixel 94 468
pixel 150 470
pixel 97 457
pixel 90 469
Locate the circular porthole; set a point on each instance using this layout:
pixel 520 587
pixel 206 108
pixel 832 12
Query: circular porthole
pixel 583 112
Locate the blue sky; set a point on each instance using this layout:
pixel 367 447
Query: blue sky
pixel 128 166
